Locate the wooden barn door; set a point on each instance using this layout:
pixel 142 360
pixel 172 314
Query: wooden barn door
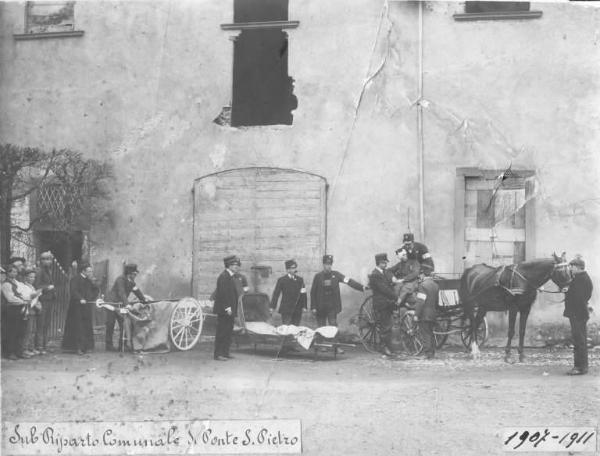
pixel 263 215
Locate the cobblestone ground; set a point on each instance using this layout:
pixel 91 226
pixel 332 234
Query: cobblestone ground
pixel 357 404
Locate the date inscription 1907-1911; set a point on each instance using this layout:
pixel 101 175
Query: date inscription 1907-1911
pixel 550 439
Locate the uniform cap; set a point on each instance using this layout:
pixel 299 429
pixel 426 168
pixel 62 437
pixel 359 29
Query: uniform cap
pixel 231 260
pixel 46 255
pixel 408 237
pixel 291 264
pixel 327 259
pixel 381 257
pixel 130 268
pixel 578 262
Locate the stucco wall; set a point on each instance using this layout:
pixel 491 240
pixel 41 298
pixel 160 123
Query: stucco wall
pixel 144 83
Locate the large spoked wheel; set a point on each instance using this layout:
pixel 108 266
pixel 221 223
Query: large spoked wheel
pixel 440 332
pixel 410 334
pixel 186 324
pixel 480 336
pixel 367 326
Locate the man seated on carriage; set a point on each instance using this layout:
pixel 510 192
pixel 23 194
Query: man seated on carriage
pixel 417 251
pixel 425 311
pixel 124 285
pixel 404 275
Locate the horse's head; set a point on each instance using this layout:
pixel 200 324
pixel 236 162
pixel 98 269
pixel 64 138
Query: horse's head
pixel 561 274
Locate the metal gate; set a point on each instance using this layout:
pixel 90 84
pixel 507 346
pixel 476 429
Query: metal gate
pixel 60 279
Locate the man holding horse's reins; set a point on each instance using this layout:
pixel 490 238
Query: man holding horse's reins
pixel 427 301
pixel 578 313
pixel 124 285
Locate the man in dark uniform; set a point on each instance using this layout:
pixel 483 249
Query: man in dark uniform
pixel 226 302
pixel 124 285
pixel 427 301
pixel 578 313
pixel 293 295
pixel 405 275
pixel 417 250
pixel 325 300
pixel 384 300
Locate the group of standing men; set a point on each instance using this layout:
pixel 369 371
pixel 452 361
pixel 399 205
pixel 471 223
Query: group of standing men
pixel 390 288
pixel 289 294
pixel 28 297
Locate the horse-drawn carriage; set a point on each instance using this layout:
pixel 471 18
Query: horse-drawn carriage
pixel 464 302
pixel 450 319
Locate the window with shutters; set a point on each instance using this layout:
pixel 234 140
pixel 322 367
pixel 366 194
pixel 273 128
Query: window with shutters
pixel 495 215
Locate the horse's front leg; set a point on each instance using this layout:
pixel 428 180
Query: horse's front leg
pixel 512 318
pixel 522 326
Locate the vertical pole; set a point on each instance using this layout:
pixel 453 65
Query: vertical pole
pixel 420 130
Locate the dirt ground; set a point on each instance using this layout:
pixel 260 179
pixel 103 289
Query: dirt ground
pixel 358 404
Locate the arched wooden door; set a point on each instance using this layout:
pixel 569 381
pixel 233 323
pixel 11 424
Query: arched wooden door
pixel 263 215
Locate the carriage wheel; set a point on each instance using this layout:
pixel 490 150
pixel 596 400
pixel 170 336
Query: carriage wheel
pixel 186 323
pixel 410 334
pixel 367 326
pixel 480 335
pixel 440 331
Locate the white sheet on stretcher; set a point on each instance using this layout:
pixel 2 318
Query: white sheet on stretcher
pixel 303 335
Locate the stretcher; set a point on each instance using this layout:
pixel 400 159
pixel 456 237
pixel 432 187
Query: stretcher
pixel 255 325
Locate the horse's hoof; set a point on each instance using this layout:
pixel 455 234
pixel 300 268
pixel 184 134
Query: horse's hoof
pixel 507 359
pixel 521 358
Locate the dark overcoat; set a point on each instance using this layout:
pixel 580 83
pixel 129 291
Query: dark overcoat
pixel 325 291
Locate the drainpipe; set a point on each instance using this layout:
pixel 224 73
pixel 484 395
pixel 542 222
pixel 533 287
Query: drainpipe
pixel 420 130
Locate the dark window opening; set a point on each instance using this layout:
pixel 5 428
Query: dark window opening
pixel 495 7
pixel 260 10
pixel 481 11
pixel 262 88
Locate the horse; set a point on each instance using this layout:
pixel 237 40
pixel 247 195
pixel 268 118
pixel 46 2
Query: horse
pixel 513 288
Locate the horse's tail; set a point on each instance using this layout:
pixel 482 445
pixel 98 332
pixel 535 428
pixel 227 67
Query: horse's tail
pixel 464 294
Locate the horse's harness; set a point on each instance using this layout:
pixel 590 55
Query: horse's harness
pixel 514 271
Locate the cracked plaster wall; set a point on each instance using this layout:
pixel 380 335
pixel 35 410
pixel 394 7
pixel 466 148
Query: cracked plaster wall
pixel 143 85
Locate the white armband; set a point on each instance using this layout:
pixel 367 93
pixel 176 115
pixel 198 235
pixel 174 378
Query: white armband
pixel 426 255
pixel 421 296
pixel 302 290
pixel 346 280
pixel 136 288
